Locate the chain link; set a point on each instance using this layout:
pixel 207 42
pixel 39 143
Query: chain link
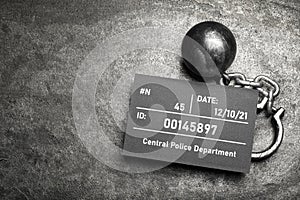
pixel 268 88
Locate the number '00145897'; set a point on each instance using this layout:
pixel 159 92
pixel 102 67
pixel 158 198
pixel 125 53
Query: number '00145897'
pixel 190 126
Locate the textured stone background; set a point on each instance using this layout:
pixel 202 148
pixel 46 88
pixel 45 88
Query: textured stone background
pixel 42 46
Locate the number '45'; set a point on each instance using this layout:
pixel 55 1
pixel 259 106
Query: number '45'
pixel 179 106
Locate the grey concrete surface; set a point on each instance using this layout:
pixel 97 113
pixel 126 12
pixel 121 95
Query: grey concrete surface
pixel 42 46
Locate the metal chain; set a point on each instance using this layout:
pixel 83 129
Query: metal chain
pixel 268 88
pixel 268 91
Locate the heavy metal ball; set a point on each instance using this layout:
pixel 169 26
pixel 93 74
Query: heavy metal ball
pixel 208 49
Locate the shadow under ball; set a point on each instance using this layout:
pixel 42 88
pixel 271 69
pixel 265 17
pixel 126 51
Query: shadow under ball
pixel 208 49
